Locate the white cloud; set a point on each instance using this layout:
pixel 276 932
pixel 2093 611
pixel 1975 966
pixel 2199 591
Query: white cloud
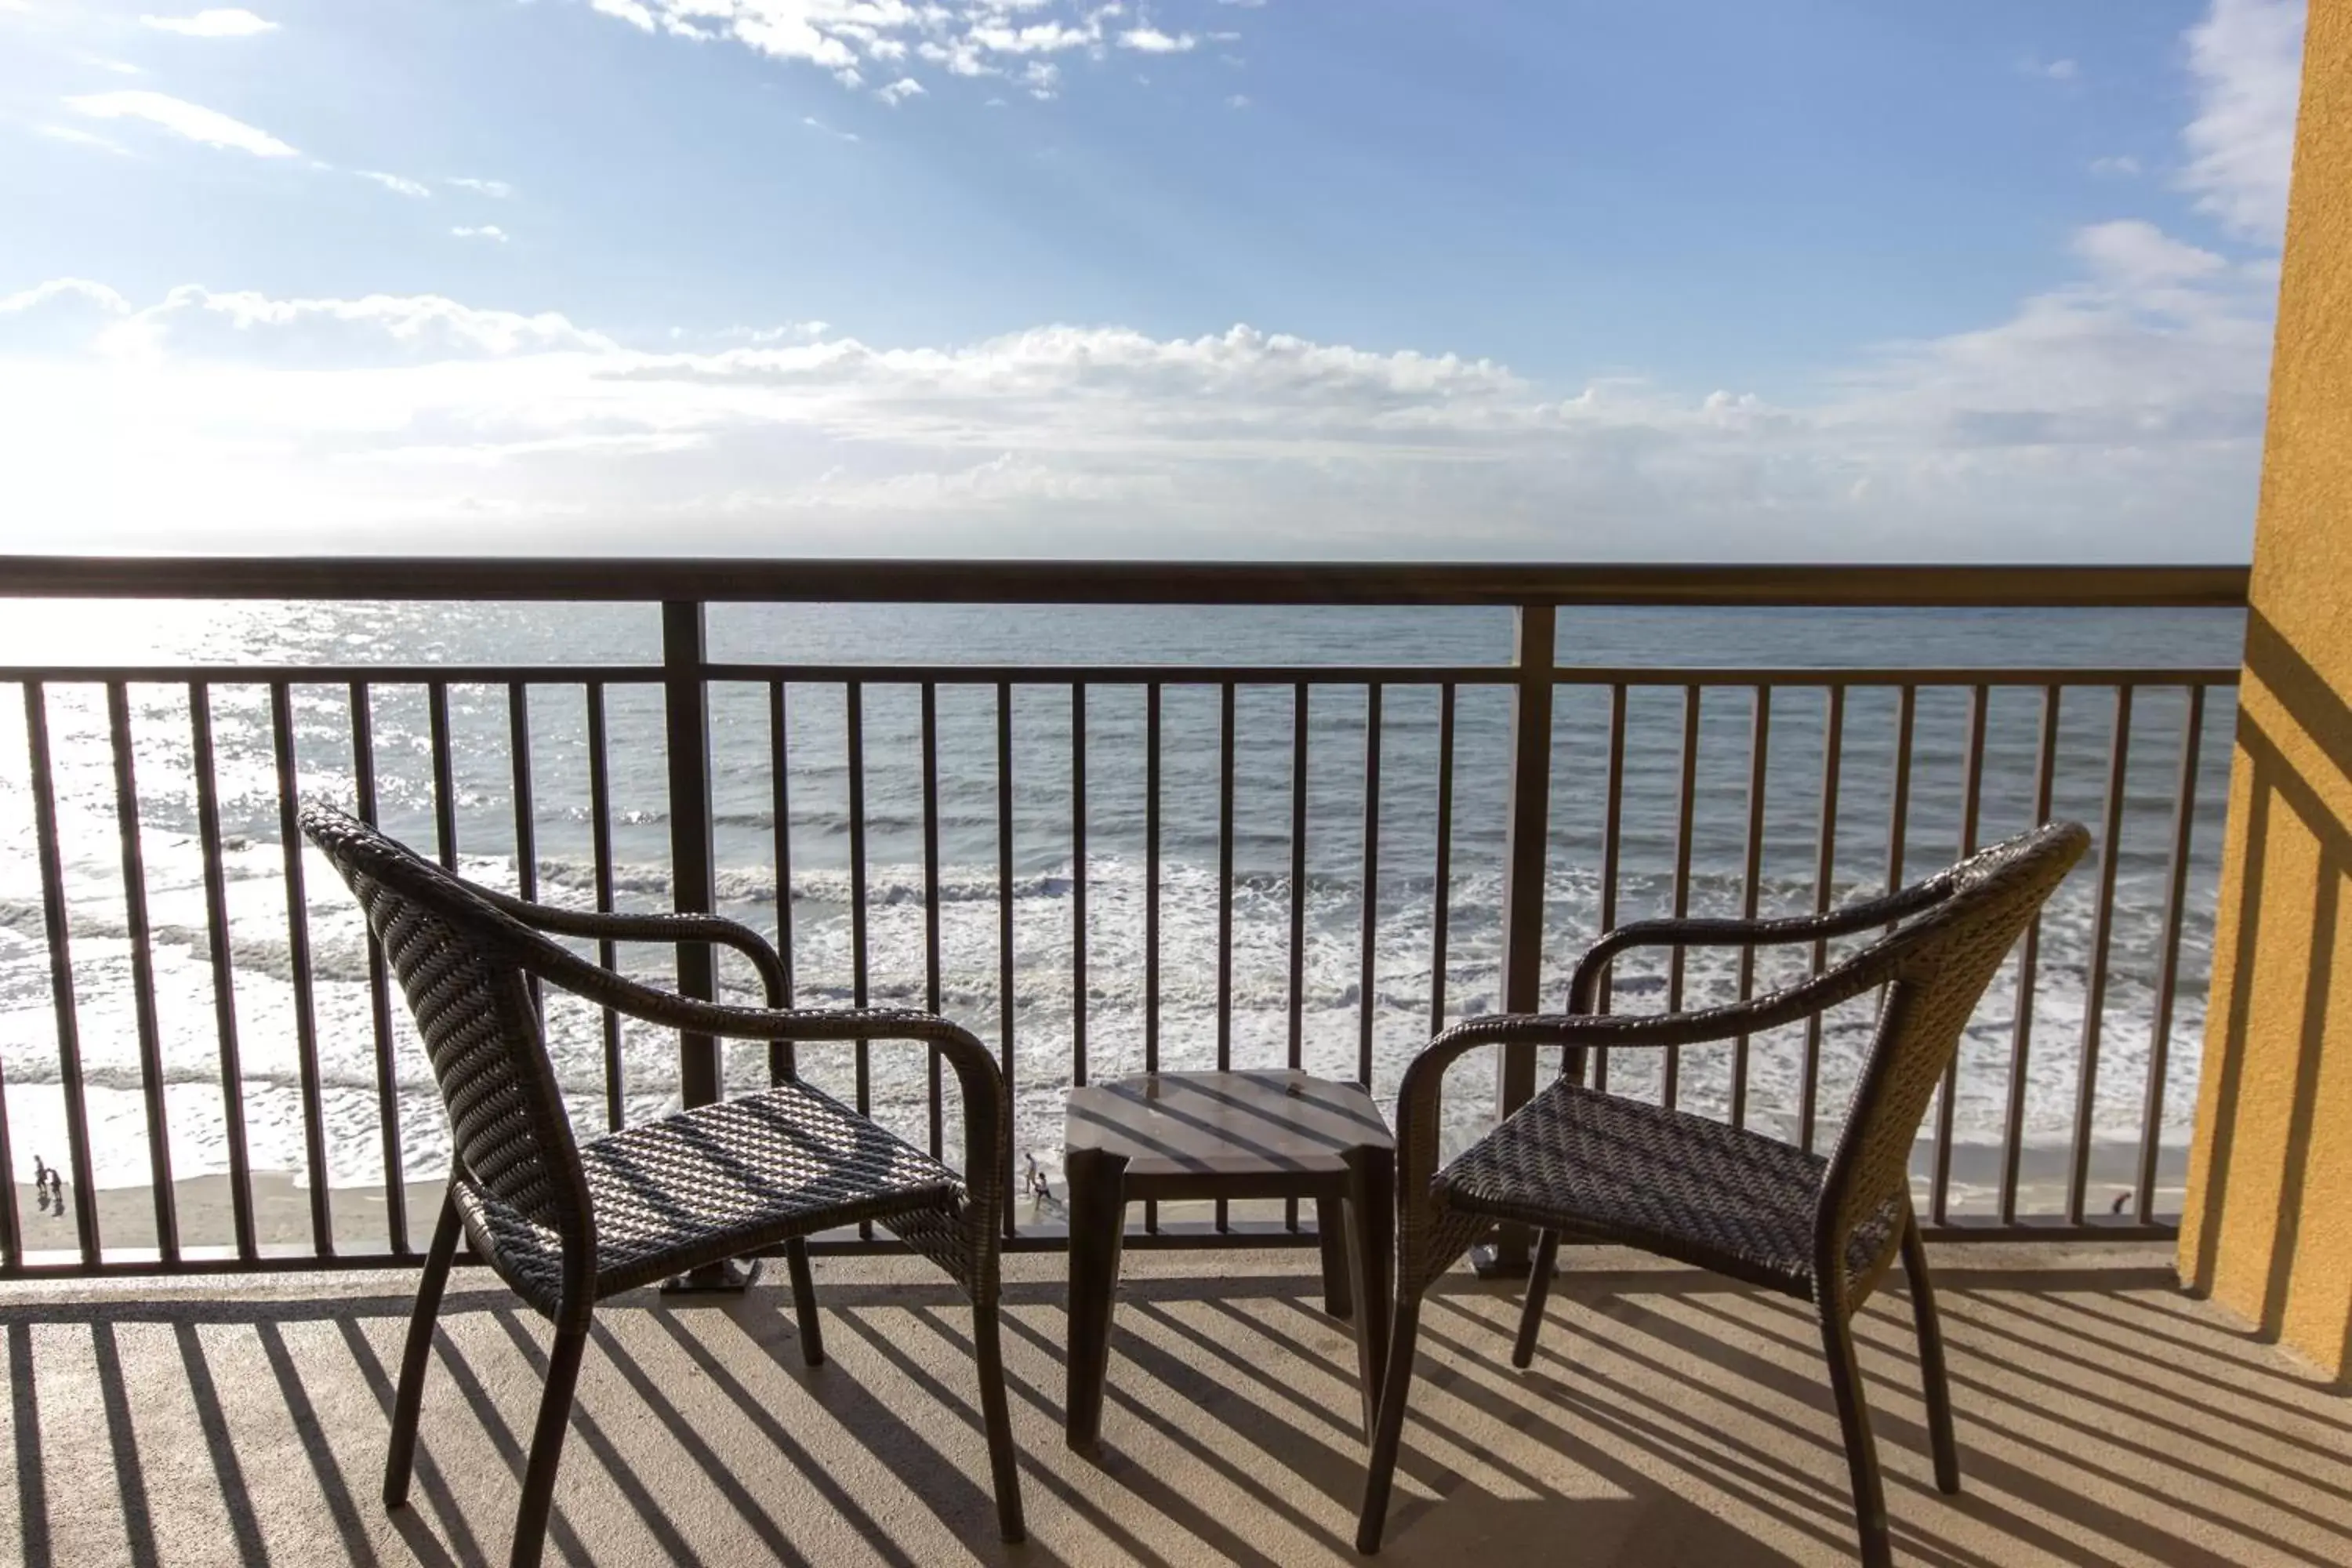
pixel 899 91
pixel 397 183
pixel 182 119
pixel 488 231
pixel 853 39
pixel 1238 101
pixel 56 289
pixel 628 11
pixel 194 326
pixel 2118 416
pixel 213 24
pixel 2246 58
pixel 2123 166
pixel 1150 40
pixel 814 124
pixel 2049 70
pixel 497 188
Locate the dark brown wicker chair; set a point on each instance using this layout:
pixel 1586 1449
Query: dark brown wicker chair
pixel 569 1222
pixel 1822 1230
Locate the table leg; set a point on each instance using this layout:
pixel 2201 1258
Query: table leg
pixel 1095 1182
pixel 1332 1232
pixel 1371 1245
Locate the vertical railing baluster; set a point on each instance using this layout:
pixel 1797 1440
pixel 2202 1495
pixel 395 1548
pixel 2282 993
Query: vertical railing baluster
pixel 1440 892
pixel 1368 973
pixel 935 1089
pixel 216 947
pixel 61 978
pixel 1526 859
pixel 1225 899
pixel 2029 953
pixel 1298 1037
pixel 2094 994
pixel 526 812
pixel 298 963
pixel 444 781
pixel 1151 879
pixel 693 868
pixel 1151 905
pixel 1758 750
pixel 783 1062
pixel 387 1073
pixel 142 973
pixel 1612 830
pixel 1005 1005
pixel 854 712
pixel 600 828
pixel 1079 884
pixel 1898 816
pixel 685 712
pixel 1824 874
pixel 1939 1193
pixel 2168 962
pixel 1686 810
pixel 11 1236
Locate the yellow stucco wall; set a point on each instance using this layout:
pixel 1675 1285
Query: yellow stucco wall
pixel 2268 1227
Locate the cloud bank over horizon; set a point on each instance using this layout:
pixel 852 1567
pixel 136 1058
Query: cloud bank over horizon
pixel 2116 415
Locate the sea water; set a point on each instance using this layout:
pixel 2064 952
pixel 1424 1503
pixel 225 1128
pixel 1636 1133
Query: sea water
pixel 1043 888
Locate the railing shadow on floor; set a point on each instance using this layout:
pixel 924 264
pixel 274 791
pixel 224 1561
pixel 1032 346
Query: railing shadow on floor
pixel 1671 1417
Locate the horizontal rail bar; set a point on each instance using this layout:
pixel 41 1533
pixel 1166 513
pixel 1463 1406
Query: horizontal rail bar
pixel 342 674
pixel 618 579
pixel 1407 675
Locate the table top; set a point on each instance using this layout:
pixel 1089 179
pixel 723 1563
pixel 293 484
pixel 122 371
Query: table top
pixel 1227 1123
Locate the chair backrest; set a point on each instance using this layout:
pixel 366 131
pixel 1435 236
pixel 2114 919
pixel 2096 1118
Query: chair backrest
pixel 456 958
pixel 1939 963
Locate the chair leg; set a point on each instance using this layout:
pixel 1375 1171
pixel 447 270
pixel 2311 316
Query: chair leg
pixel 1523 1350
pixel 1937 1387
pixel 1002 1460
pixel 400 1459
pixel 547 1444
pixel 1380 1474
pixel 1331 1231
pixel 1860 1451
pixel 796 1260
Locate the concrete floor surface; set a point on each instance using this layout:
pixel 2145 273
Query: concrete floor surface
pixel 1670 1417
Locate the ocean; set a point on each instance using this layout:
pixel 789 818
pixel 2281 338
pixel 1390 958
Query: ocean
pixel 1048 879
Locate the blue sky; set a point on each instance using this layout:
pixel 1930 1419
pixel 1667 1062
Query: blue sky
pixel 1691 279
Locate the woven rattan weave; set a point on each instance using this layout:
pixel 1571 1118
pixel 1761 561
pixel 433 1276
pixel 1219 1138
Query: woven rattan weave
pixel 1822 1229
pixel 568 1222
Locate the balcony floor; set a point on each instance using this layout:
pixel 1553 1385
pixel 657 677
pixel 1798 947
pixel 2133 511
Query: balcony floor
pixel 1670 1419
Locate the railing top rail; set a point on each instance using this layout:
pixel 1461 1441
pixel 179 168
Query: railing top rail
pixel 617 579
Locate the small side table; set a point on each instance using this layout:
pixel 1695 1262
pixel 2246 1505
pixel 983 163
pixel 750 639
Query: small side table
pixel 1174 1136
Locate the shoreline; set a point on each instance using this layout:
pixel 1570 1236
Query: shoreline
pixel 359 1221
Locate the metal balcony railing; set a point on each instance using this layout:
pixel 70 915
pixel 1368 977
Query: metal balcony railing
pixel 1453 833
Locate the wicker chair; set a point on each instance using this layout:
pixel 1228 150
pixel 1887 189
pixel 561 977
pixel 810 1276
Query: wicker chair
pixel 569 1222
pixel 1616 1170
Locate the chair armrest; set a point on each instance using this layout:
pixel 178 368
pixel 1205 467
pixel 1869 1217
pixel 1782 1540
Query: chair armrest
pixel 1420 1099
pixel 987 1108
pixel 1884 910
pixel 653 927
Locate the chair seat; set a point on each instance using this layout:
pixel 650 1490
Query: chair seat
pixel 714 1182
pixel 1737 1202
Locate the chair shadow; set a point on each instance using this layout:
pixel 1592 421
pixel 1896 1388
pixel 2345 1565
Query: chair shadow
pixel 1669 1395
